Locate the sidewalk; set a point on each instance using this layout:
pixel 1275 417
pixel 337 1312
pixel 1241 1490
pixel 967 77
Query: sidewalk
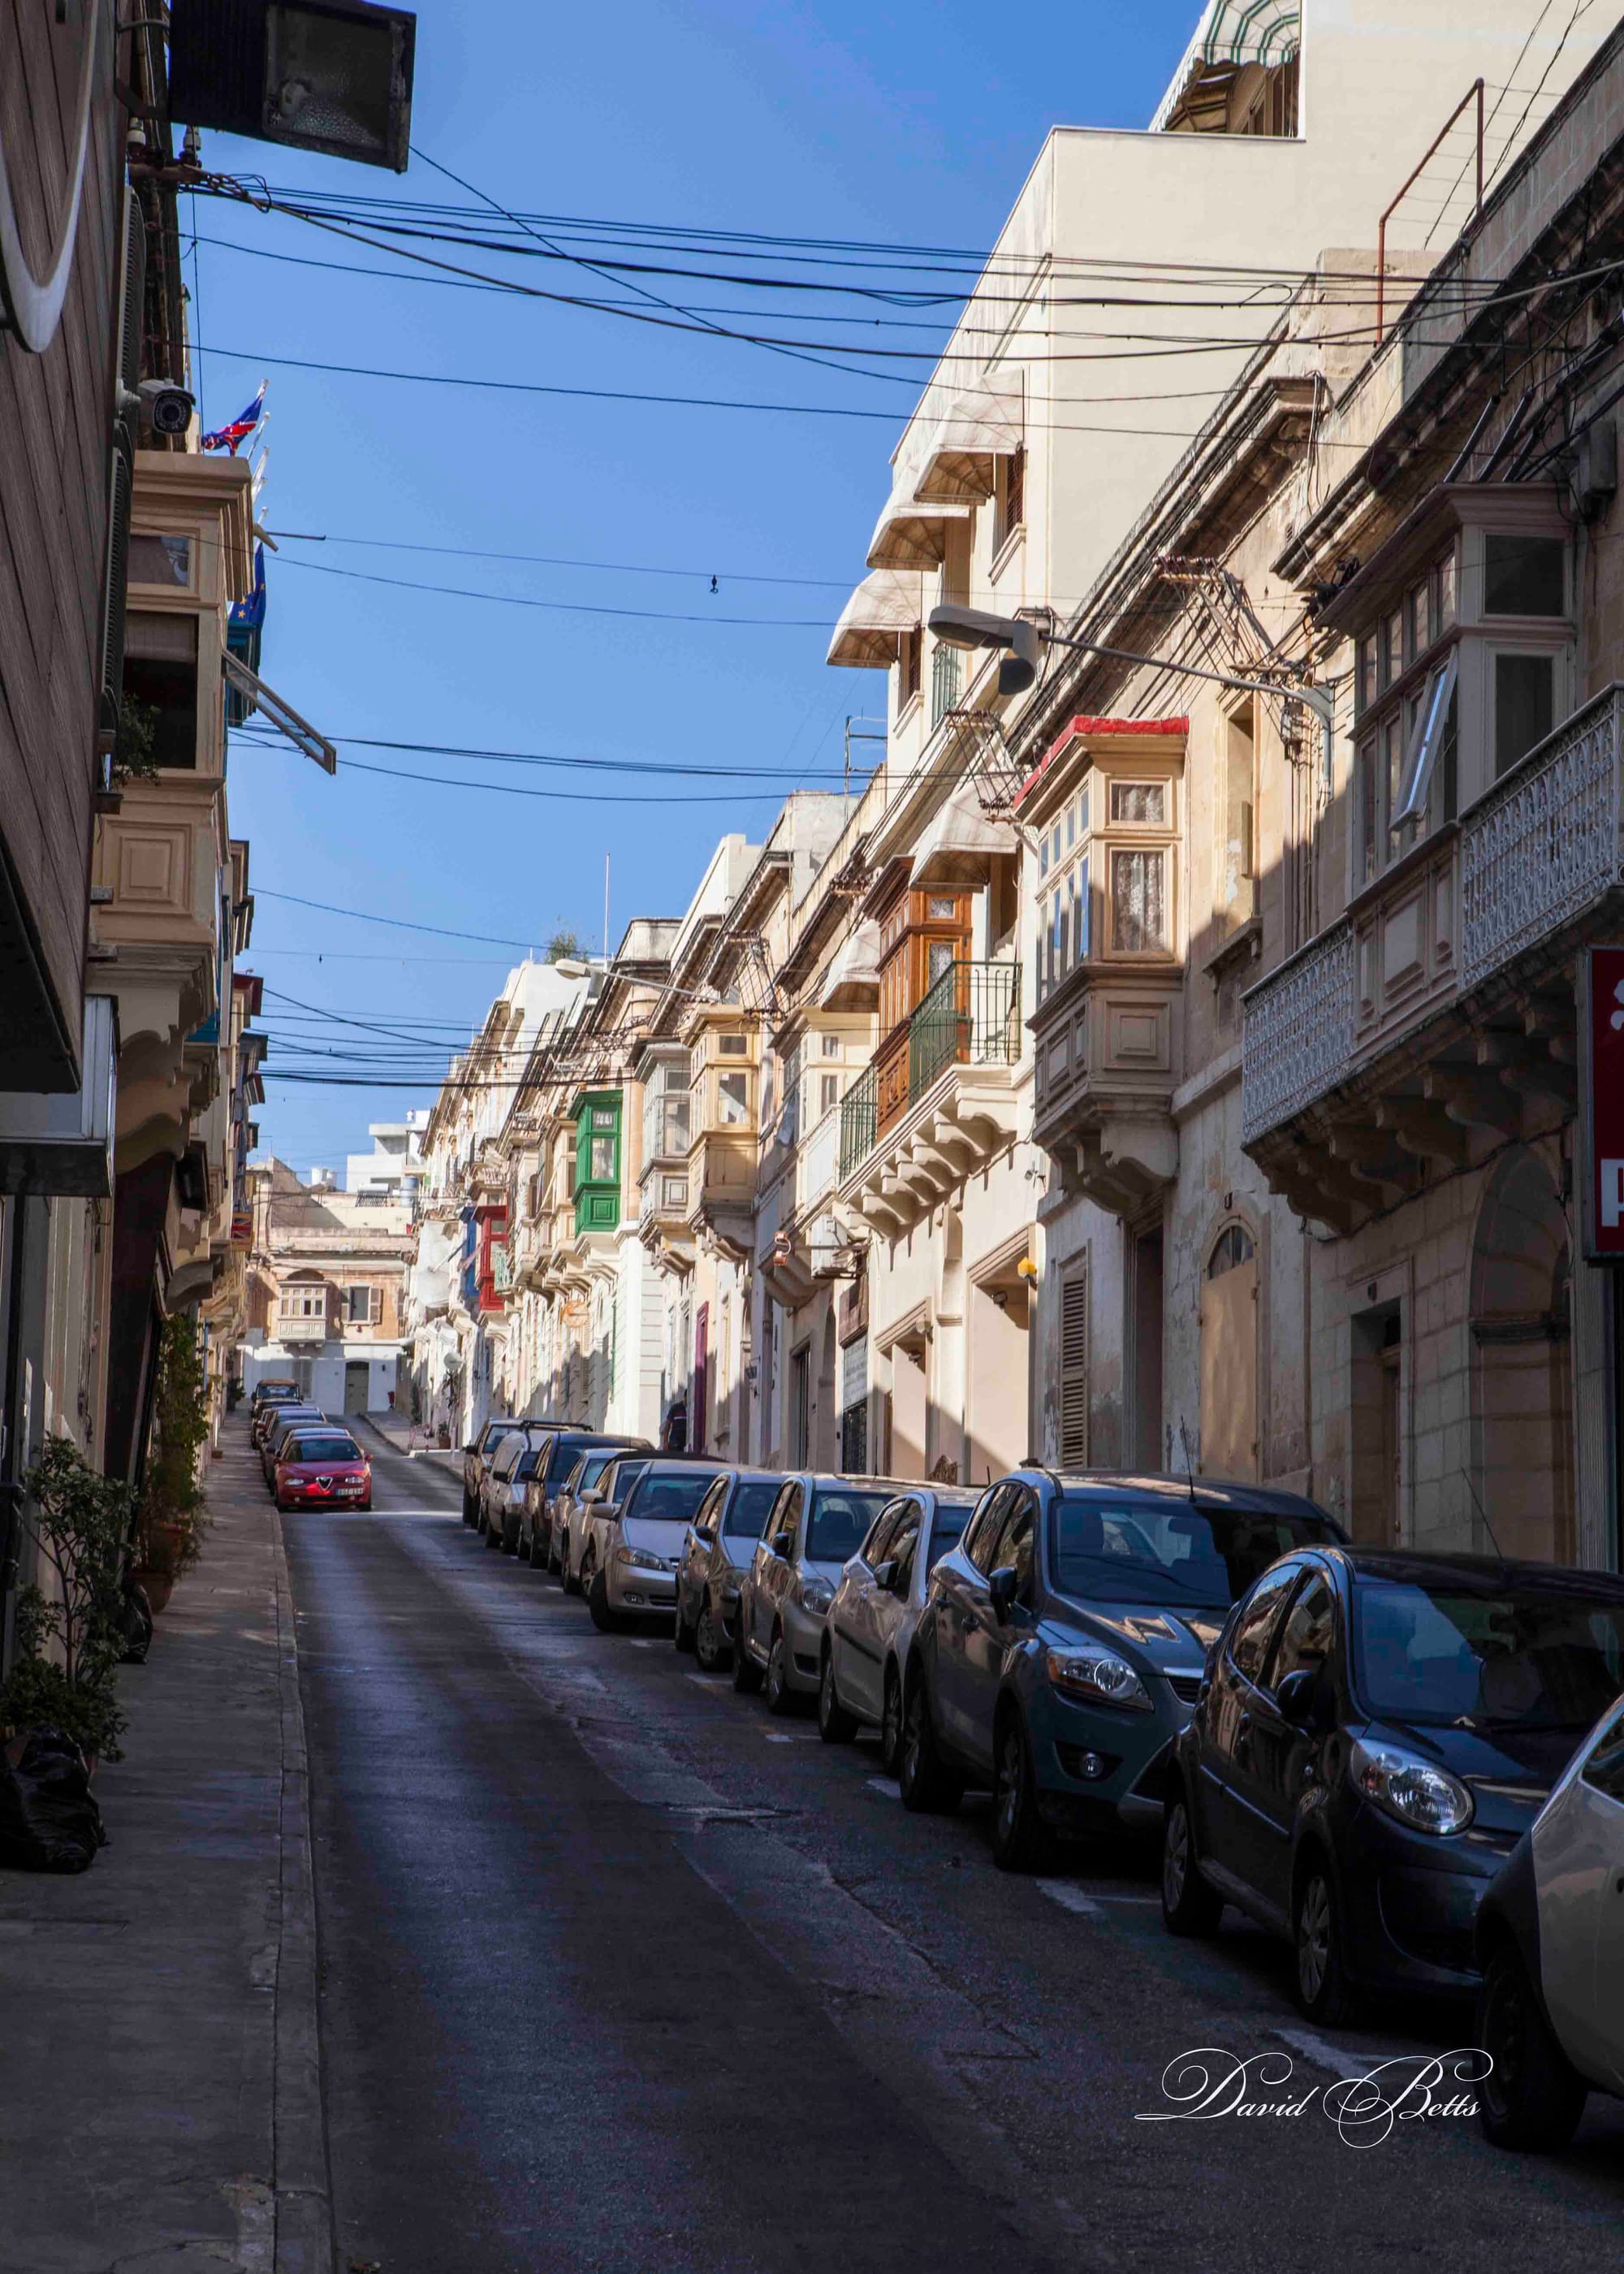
pixel 408 1437
pixel 158 2063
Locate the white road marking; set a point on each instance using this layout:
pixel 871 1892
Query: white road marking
pixel 706 1681
pixel 884 1786
pixel 1070 1898
pixel 1341 2060
pixel 776 1737
pixel 645 1646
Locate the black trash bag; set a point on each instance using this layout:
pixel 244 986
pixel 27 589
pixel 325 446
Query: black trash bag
pixel 48 1817
pixel 135 1623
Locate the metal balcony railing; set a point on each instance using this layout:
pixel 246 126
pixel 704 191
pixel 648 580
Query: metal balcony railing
pixel 971 1017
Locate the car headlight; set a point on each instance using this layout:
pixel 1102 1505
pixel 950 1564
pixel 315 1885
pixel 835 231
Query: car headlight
pixel 1097 1675
pixel 639 1559
pixel 818 1595
pixel 1417 1791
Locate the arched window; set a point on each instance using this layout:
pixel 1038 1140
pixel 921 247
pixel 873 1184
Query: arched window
pixel 1234 1247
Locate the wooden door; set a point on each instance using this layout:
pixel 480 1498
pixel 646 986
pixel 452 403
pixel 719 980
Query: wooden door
pixel 1230 1358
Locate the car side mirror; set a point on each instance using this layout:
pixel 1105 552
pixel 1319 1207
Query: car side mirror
pixel 472 1446
pixel 1296 1695
pixel 885 1577
pixel 1002 1589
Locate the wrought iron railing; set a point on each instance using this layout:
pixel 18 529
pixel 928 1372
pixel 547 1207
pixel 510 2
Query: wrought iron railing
pixel 971 1017
pixel 859 1122
pixel 1298 1037
pixel 1544 843
pixel 943 683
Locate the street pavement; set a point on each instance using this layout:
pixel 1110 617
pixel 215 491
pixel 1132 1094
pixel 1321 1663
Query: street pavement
pixel 618 1973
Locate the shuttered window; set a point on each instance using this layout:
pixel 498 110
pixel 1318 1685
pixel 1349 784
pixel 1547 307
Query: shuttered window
pixel 1074 1368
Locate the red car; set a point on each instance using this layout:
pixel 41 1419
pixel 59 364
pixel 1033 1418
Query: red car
pixel 330 1471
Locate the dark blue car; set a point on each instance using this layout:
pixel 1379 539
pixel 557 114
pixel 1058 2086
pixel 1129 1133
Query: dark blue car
pixel 1063 1644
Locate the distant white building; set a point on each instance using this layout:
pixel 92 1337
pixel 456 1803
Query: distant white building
pixel 394 1167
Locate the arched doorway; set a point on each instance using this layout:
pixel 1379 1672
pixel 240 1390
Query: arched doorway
pixel 1522 1400
pixel 1229 1355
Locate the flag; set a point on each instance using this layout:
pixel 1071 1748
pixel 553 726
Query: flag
pixel 238 429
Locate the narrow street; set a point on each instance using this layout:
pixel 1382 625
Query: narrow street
pixel 617 1973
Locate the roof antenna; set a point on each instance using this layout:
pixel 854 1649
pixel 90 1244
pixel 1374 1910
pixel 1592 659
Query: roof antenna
pixel 1484 1513
pixel 1183 1439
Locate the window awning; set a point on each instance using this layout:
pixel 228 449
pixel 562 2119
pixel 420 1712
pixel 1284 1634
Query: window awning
pixel 1232 32
pixel 958 842
pixel 912 535
pixel 854 979
pixel 887 603
pixel 980 424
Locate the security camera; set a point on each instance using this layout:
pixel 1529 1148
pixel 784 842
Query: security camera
pixel 165 407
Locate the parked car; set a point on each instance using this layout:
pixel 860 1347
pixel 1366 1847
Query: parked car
pixel 615 1481
pixel 502 1494
pixel 275 1410
pixel 716 1555
pixel 634 1543
pixel 322 1468
pixel 565 1449
pixel 1376 1732
pixel 876 1611
pixel 287 1417
pixel 549 1523
pixel 495 1438
pixel 1551 1946
pixel 478 1451
pixel 817 1523
pixel 1062 1642
pixel 271 1390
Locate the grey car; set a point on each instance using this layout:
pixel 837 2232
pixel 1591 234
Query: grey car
pixel 817 1524
pixel 549 1477
pixel 876 1610
pixel 617 1477
pixel 716 1555
pixel 634 1543
pixel 501 1495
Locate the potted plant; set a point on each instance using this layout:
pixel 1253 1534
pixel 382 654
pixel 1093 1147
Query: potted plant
pixel 173 1513
pixel 69 1640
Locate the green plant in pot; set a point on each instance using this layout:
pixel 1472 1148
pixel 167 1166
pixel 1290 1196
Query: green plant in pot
pixel 174 1513
pixel 70 1638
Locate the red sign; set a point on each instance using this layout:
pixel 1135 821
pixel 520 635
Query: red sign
pixel 1602 1105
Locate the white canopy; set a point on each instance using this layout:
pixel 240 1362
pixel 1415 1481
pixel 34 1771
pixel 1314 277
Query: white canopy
pixel 909 535
pixel 887 603
pixel 980 424
pixel 958 842
pixel 853 978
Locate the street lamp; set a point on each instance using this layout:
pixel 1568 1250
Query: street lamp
pixel 328 75
pixel 1024 642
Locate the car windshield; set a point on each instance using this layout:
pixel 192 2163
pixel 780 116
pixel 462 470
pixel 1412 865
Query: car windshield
pixel 493 1431
pixel 525 1465
pixel 840 1522
pixel 588 1469
pixel 746 1511
pixel 947 1529
pixel 663 1498
pixel 1170 1551
pixel 1524 1659
pixel 324 1448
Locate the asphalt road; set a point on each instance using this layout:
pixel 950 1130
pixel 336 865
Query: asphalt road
pixel 620 1974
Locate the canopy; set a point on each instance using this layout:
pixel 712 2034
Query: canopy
pixel 887 603
pixel 980 424
pixel 1232 32
pixel 912 535
pixel 957 843
pixel 853 977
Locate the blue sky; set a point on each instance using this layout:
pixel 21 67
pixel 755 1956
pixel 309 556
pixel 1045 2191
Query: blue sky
pixel 907 124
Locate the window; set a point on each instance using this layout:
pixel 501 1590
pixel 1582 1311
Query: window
pixel 733 1046
pixel 1309 1634
pixel 831 1046
pixel 165 561
pixel 1234 1247
pixel 1012 1548
pixel 1249 1644
pixel 1236 853
pixel 1431 729
pixel 1141 802
pixel 910 659
pixel 161 672
pixel 988 1527
pixel 827 1091
pixel 1074 1368
pixel 1008 495
pixel 1138 913
pixel 901 1546
pixel 1604 1772
pixel 359 1305
pixel 1524 575
pixel 602 1160
pixel 1524 707
pixel 732 1099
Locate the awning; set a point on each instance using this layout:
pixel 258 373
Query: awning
pixel 1232 32
pixel 979 424
pixel 909 535
pixel 958 842
pixel 854 979
pixel 886 604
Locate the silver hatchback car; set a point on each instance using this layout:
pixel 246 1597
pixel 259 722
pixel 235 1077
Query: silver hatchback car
pixel 636 1543
pixel 876 1609
pixel 576 1554
pixel 716 1555
pixel 817 1523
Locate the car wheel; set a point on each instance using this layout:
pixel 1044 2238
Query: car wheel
pixel 891 1723
pixel 711 1644
pixel 572 1584
pixel 746 1673
pixel 491 1535
pixel 834 1725
pixel 1532 2099
pixel 779 1697
pixel 604 1619
pixel 553 1564
pixel 927 1788
pixel 1319 1979
pixel 1189 1906
pixel 1021 1842
pixel 470 1512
